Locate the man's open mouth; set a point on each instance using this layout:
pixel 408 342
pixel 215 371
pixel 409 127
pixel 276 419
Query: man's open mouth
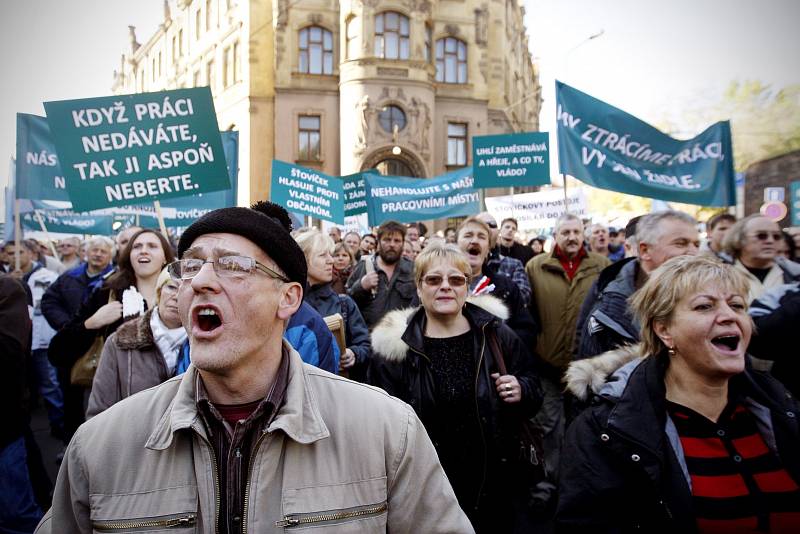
pixel 727 343
pixel 474 250
pixel 207 318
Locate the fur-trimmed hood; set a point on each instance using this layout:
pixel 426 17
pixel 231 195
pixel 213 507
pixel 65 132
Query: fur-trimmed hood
pixel 587 377
pixel 387 337
pixel 136 334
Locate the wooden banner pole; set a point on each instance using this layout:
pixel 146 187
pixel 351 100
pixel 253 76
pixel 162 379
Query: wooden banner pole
pixel 161 224
pixel 17 234
pixel 46 234
pixel 566 203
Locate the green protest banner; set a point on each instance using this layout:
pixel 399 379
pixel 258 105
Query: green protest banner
pixel 188 209
pixel 39 175
pixel 412 199
pixel 123 150
pixel 307 191
pixel 509 160
pixel 68 222
pixel 607 148
pixel 355 193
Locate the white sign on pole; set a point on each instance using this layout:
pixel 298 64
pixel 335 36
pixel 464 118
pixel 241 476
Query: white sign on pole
pixel 539 210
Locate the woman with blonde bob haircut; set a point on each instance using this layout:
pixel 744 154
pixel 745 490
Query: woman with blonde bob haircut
pixel 318 249
pixel 442 358
pixel 684 436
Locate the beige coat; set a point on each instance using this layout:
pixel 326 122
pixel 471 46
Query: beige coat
pixel 130 363
pixel 339 457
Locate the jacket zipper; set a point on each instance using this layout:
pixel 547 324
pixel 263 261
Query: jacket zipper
pixel 217 503
pixel 182 521
pixel 247 486
pixel 294 520
pixel 478 412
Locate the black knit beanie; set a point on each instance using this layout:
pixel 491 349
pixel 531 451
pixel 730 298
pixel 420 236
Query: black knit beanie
pixel 264 223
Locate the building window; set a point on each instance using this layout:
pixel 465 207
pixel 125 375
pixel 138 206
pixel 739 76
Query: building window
pixel 198 18
pixel 227 66
pixel 315 51
pixel 141 80
pixel 451 60
pixel 391 35
pixel 209 14
pixel 428 42
pixel 159 63
pixel 237 65
pixel 308 138
pixel 174 48
pixel 196 78
pixel 391 116
pixel 456 144
pixel 394 167
pixel 351 37
pixel 210 74
pixel 180 42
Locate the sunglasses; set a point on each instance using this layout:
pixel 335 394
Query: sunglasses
pixel 454 280
pixel 763 236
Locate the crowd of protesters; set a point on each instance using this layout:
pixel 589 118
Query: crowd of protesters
pixel 595 379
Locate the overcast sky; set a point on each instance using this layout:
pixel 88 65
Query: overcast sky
pixel 652 58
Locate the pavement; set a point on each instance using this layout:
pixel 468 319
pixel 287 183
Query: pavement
pixel 49 446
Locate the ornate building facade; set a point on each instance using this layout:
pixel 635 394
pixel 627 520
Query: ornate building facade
pixel 346 85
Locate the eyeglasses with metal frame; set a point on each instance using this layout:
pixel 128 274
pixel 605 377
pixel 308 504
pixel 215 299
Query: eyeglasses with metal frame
pixel 224 266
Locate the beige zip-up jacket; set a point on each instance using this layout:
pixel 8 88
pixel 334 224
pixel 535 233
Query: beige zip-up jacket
pixel 339 456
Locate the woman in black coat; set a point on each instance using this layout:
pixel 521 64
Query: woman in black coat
pixel 684 437
pixel 440 359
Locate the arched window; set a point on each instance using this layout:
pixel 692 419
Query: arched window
pixel 451 60
pixel 391 35
pixel 394 167
pixel 315 51
pixel 351 37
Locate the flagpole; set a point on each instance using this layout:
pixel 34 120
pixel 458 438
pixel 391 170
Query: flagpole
pixel 17 234
pixel 566 204
pixel 161 224
pixel 46 233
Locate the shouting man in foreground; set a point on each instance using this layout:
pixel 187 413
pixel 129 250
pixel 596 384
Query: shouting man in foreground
pixel 250 439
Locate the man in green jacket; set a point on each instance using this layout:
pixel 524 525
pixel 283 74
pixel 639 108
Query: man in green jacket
pixel 560 281
pixel 251 439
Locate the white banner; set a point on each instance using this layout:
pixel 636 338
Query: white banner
pixel 535 211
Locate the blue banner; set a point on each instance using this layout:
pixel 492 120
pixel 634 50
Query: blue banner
pixel 412 199
pixel 131 149
pixel 508 160
pixel 307 191
pixel 68 222
pixel 39 175
pixel 607 148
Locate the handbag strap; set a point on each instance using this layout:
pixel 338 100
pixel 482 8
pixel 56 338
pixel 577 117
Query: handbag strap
pixel 498 354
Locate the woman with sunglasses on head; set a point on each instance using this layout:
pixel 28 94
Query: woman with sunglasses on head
pixel 143 352
pixel 140 264
pixel 753 243
pixel 442 358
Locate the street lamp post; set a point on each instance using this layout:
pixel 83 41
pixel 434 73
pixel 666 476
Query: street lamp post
pixel 566 75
